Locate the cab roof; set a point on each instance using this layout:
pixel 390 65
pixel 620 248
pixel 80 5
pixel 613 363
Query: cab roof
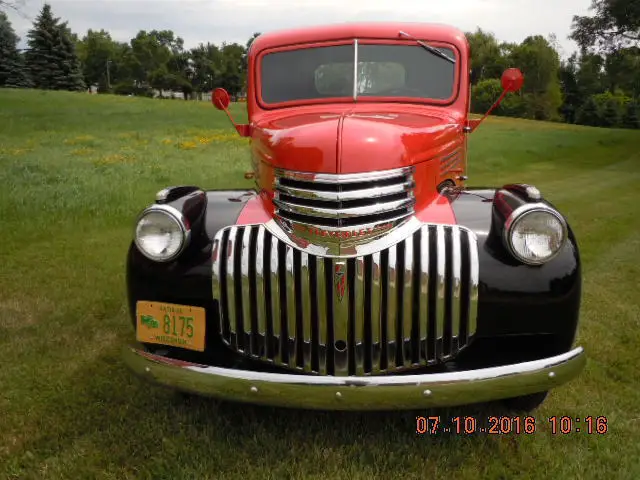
pixel 342 31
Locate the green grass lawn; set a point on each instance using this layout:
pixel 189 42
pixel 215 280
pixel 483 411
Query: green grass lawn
pixel 75 169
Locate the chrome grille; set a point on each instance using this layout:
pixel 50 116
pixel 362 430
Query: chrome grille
pixel 344 200
pixel 412 304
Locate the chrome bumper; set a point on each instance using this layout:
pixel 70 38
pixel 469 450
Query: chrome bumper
pixel 359 393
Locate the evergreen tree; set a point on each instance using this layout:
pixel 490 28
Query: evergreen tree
pixel 12 72
pixel 631 118
pixel 51 58
pixel 588 114
pixel 611 114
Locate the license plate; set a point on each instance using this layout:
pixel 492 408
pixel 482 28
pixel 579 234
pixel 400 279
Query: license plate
pixel 169 324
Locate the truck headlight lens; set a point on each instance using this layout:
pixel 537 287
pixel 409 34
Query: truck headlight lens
pixel 535 233
pixel 161 233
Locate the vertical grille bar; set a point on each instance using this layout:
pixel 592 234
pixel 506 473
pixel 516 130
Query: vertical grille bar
pixel 448 294
pixel 465 283
pixel 359 297
pixel 303 332
pixel 315 316
pixel 231 288
pixel 218 284
pixel 407 299
pixel 456 277
pixel 376 319
pixel 392 307
pixel 475 280
pixel 423 315
pixel 441 288
pixel 321 306
pixel 432 310
pixel 329 297
pixel 261 293
pixel 289 312
pixel 341 315
pixel 276 341
pixel 244 325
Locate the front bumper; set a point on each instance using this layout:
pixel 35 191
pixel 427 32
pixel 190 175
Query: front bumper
pixel 391 392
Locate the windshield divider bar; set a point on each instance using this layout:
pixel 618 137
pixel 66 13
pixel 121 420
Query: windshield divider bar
pixel 355 70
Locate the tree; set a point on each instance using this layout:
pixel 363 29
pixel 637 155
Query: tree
pixel 540 64
pixel 588 113
pixel 615 24
pixel 12 71
pixel 572 100
pixel 51 58
pixel 207 67
pixel 487 60
pixel 622 71
pixel 231 78
pixel 631 118
pixel 100 59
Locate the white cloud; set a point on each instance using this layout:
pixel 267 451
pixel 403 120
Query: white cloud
pixel 235 20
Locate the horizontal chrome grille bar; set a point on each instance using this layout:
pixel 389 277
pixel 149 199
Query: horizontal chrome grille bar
pixel 345 212
pixel 412 304
pixel 336 196
pixel 345 200
pixel 344 177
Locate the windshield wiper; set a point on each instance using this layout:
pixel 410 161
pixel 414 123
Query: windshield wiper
pixel 428 47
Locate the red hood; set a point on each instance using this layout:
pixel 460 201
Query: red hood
pixel 354 141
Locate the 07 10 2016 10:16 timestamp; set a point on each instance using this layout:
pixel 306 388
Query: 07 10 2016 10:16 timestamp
pixel 505 425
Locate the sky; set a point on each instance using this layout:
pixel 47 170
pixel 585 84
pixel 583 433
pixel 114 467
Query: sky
pixel 216 21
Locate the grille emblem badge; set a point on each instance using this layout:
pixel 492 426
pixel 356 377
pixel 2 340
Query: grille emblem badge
pixel 339 280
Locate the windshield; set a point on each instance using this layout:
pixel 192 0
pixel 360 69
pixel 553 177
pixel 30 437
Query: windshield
pixel 382 70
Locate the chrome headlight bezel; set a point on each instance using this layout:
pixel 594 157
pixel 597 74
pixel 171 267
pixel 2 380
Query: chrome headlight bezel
pixel 519 214
pixel 177 217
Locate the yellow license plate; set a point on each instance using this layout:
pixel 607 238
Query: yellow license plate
pixel 169 324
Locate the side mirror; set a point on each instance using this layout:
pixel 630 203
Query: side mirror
pixel 220 99
pixel 512 81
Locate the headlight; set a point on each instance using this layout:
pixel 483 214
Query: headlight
pixel 535 233
pixel 161 233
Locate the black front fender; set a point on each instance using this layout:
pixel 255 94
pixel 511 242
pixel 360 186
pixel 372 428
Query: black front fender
pixel 518 299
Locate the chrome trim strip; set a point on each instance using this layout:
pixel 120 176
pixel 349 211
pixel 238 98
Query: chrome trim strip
pixel 375 209
pixel 304 335
pixel 321 288
pixel 392 308
pixel 406 322
pixel 348 194
pixel 423 309
pixel 355 69
pixel 441 283
pixel 475 282
pixel 231 289
pixel 275 295
pixel 342 177
pixel 389 392
pixel 456 277
pixel 376 314
pixel 359 318
pixel 261 292
pixel 344 247
pixel 290 312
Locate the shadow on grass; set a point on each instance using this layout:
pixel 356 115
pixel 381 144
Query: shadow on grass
pixel 103 418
